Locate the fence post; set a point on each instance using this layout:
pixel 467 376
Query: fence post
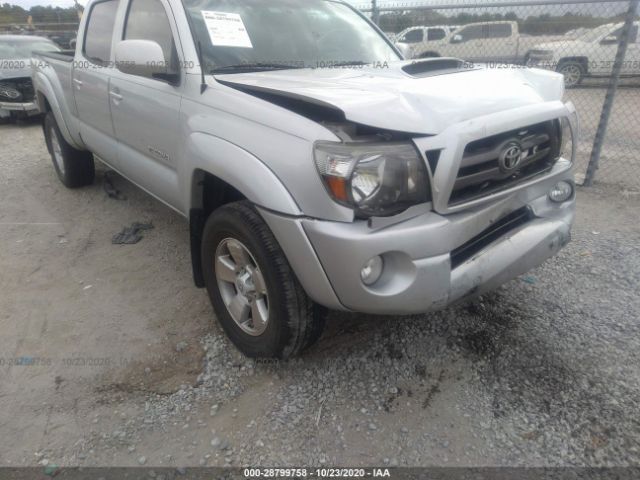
pixel 375 13
pixel 601 132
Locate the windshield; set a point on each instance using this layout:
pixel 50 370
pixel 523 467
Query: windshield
pixel 240 35
pixel 593 35
pixel 21 49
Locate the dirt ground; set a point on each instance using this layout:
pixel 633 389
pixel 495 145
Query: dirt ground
pixel 110 356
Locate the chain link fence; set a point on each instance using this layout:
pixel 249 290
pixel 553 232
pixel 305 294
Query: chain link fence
pixel 595 45
pixel 61 33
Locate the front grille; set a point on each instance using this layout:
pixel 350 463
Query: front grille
pixel 504 225
pixel 484 171
pixel 23 86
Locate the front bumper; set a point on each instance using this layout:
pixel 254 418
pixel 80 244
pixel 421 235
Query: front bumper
pixel 416 246
pixel 418 275
pixel 28 107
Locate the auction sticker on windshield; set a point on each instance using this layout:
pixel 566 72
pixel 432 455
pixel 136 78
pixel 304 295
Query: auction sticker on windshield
pixel 226 29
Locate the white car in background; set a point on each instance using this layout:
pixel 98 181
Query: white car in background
pixel 410 38
pixel 16 88
pixel 591 54
pixel 499 41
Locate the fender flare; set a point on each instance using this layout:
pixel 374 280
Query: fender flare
pixel 46 91
pixel 237 167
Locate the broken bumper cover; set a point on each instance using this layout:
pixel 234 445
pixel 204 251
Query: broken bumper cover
pixel 418 275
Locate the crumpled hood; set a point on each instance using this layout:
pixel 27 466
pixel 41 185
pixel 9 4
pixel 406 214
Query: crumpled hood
pixel 16 69
pixel 391 99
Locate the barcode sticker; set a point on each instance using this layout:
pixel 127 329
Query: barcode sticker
pixel 226 29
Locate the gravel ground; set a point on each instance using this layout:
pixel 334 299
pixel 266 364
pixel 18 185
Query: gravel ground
pixel 133 370
pixel 619 163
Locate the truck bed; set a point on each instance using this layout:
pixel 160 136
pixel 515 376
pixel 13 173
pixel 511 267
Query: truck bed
pixel 64 55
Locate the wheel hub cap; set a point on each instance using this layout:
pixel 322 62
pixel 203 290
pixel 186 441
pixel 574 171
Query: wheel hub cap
pixel 243 283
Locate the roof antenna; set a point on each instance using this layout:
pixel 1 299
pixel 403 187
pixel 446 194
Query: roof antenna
pixel 203 83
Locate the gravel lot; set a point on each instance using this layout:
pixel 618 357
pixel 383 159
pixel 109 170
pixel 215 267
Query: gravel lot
pixel 110 356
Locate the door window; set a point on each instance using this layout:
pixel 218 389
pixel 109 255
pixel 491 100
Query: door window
pixel 147 20
pixel 413 36
pixel 498 30
pixel 436 34
pixel 99 30
pixel 473 32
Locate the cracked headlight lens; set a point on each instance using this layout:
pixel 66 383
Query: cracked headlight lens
pixel 375 179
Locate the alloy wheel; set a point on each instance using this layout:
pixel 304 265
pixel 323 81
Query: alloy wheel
pixel 242 286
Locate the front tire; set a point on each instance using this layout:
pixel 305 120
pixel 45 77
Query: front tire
pixel 256 296
pixel 75 168
pixel 573 72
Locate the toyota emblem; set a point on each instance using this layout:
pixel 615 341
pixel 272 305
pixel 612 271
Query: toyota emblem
pixel 510 156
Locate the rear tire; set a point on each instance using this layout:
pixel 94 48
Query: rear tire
pixel 255 294
pixel 75 168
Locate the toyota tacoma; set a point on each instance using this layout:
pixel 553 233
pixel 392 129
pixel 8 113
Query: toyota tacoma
pixel 317 168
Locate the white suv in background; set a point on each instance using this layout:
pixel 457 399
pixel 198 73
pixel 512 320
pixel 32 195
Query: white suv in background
pixel 499 41
pixel 411 37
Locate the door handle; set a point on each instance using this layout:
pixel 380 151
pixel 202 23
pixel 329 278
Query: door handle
pixel 115 95
pixel 77 82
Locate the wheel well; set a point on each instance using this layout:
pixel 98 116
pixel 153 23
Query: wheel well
pixel 43 102
pixel 45 107
pixel 208 194
pixel 583 61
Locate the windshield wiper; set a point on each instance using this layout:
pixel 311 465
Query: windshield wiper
pixel 254 67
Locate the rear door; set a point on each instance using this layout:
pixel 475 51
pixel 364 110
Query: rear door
pixel 146 111
pixel 91 73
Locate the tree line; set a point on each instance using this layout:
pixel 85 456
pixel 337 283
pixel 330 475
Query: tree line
pixel 14 14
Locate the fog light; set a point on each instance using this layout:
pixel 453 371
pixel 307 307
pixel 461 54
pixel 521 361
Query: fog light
pixel 561 192
pixel 372 270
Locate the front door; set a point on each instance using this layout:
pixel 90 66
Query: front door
pixel 146 111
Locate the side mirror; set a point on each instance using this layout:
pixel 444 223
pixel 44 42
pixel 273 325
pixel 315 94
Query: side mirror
pixel 456 39
pixel 143 58
pixel 609 40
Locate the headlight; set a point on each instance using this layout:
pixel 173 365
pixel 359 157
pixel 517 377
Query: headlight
pixel 378 179
pixel 566 139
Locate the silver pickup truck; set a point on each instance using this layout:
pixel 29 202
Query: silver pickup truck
pixel 318 169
